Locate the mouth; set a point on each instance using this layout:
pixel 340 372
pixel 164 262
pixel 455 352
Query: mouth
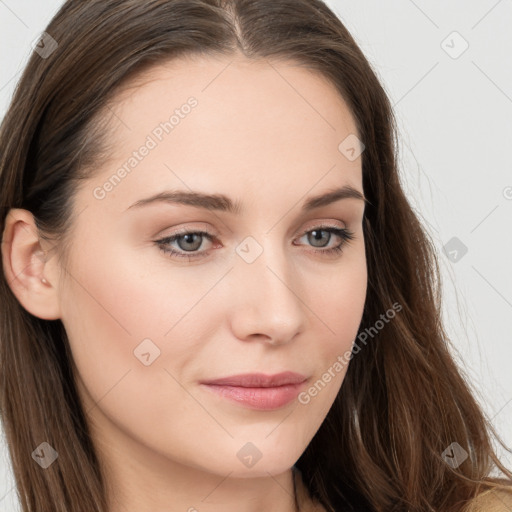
pixel 259 391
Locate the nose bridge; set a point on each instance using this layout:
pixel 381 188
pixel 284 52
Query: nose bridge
pixel 267 302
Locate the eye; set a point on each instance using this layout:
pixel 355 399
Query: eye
pixel 317 234
pixel 187 242
pixel 190 241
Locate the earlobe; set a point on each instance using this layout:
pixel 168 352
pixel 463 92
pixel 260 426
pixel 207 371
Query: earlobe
pixel 27 268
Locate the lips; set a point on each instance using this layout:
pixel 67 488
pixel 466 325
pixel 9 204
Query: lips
pixel 259 380
pixel 257 390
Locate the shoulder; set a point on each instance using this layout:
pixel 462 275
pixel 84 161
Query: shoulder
pixel 493 500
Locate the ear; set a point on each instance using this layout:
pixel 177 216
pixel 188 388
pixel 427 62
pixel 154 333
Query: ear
pixel 28 270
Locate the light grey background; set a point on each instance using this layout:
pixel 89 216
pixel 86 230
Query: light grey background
pixel 455 119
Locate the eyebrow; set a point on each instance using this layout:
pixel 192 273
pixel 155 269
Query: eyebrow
pixel 220 202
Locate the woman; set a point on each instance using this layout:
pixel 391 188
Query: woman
pixel 260 367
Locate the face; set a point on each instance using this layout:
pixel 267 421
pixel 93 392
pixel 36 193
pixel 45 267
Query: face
pixel 164 291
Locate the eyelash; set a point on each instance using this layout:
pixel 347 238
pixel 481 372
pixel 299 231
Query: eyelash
pixel 343 233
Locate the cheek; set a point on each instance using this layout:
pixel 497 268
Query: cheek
pixel 338 302
pixel 338 306
pixel 138 326
pixel 117 314
pixel 110 309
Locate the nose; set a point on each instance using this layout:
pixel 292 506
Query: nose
pixel 269 303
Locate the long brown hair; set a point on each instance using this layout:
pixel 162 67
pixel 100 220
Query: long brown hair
pixel 403 400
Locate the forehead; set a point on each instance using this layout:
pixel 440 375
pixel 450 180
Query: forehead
pixel 259 97
pixel 253 121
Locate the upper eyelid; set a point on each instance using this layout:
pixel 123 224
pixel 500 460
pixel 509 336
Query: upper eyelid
pixel 208 233
pixel 206 227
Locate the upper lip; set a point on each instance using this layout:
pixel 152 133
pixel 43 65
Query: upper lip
pixel 259 380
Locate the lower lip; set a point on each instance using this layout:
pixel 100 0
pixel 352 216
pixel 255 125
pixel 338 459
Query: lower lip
pixel 259 398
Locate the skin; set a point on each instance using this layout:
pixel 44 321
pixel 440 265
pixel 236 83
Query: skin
pixel 270 140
